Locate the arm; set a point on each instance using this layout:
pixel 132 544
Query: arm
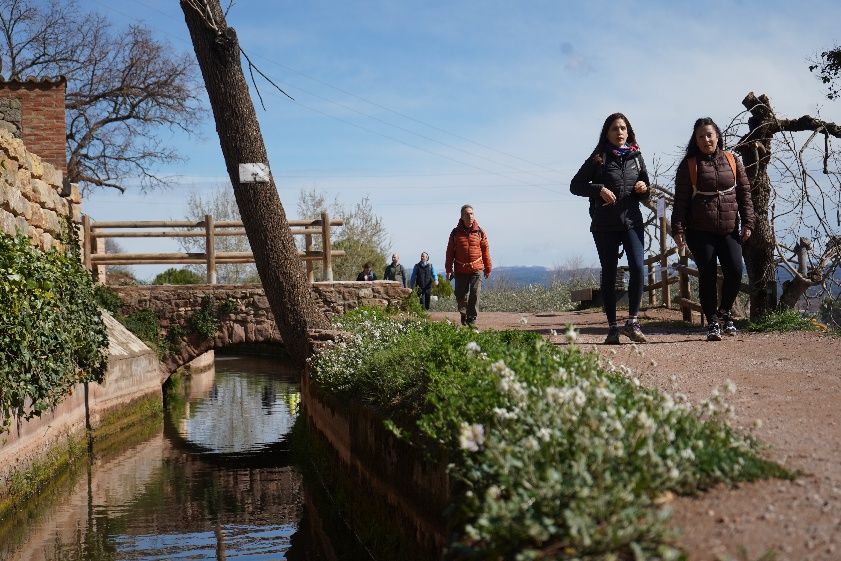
pixel 743 197
pixel 486 255
pixel 434 274
pixel 450 256
pixel 683 199
pixel 642 178
pixel 582 183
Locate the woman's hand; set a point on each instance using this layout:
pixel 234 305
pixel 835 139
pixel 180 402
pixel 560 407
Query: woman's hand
pixel 640 187
pixel 745 234
pixel 680 240
pixel 607 196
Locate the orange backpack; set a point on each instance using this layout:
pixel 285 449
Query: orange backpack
pixel 692 164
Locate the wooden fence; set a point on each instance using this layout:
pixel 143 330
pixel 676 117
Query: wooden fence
pixel 95 233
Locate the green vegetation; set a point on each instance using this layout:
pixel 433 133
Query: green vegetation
pixel 510 298
pixel 51 334
pixel 204 321
pixel 785 320
pixel 553 453
pixel 178 276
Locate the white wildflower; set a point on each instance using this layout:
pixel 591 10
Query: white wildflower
pixel 531 443
pixel 544 434
pixel 493 492
pixel 730 386
pixel 523 320
pixel 553 333
pixel 571 334
pixel 471 437
pixel 687 454
pixel 674 473
pixel 472 348
pixel 503 413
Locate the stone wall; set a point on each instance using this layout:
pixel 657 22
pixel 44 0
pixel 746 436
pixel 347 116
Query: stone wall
pixel 33 197
pixel 10 115
pixel 250 319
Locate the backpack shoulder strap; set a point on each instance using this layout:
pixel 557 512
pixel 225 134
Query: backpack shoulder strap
pixel 732 160
pixel 692 166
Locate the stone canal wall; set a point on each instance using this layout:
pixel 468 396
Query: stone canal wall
pixel 134 374
pixel 412 489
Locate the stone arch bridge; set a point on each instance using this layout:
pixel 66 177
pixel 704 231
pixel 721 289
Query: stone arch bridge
pixel 242 311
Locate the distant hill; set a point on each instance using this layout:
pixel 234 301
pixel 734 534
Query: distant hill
pixel 534 274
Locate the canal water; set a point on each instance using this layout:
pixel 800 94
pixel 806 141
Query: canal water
pixel 214 481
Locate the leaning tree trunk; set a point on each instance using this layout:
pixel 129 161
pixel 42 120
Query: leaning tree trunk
pixel 756 151
pixel 283 277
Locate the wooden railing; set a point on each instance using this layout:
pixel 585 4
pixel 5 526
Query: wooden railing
pixel 95 233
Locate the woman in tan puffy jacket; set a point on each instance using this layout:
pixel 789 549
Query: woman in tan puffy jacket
pixel 712 198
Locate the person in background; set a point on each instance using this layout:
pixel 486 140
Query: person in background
pixel 423 277
pixel 395 271
pixel 367 274
pixel 712 193
pixel 615 180
pixel 468 256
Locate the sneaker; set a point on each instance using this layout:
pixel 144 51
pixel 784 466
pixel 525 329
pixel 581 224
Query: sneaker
pixel 464 319
pixel 633 332
pixel 726 319
pixel 612 336
pixel 713 332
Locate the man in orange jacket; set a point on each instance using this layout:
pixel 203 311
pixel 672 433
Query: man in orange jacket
pixel 467 258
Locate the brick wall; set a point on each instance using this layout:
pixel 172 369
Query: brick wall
pixel 42 121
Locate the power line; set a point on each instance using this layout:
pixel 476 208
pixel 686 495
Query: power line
pixel 385 108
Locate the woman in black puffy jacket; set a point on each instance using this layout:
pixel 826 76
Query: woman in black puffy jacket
pixel 615 179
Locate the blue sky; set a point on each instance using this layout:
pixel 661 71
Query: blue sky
pixel 424 106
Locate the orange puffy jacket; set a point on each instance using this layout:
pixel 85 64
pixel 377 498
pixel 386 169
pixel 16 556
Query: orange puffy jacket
pixel 467 250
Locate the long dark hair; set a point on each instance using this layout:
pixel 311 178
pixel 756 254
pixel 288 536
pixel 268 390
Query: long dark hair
pixel 692 148
pixel 601 146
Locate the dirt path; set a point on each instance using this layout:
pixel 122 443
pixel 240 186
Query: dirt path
pixel 789 396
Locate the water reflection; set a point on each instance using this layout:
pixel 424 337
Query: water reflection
pixel 212 483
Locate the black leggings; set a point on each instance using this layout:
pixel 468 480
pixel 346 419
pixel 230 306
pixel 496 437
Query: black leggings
pixel 607 244
pixel 706 247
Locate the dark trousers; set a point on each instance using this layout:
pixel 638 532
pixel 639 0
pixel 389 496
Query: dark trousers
pixel 706 248
pixel 467 291
pixel 424 295
pixel 607 245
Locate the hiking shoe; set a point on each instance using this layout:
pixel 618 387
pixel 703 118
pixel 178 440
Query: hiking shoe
pixel 713 332
pixel 464 319
pixel 633 332
pixel 728 327
pixel 612 336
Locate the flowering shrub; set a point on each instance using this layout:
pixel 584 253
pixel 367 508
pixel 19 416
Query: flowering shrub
pixel 555 453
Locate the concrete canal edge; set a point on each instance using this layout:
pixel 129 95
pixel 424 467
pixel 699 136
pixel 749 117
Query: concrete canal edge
pixel 35 450
pixel 375 470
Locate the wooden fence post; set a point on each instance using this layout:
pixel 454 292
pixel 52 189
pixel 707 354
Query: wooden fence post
pixel 210 248
pixel 650 283
pixel 664 263
pixel 326 247
pixel 86 242
pixel 683 287
pixel 97 248
pixel 307 250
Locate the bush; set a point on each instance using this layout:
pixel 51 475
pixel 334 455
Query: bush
pixel 554 454
pixel 178 276
pixel 108 300
pixel 51 332
pixel 505 297
pixel 786 320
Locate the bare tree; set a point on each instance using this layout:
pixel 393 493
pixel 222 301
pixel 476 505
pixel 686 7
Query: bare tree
pixel 363 236
pixel 828 68
pixel 222 205
pixel 123 87
pixel 796 205
pixel 281 271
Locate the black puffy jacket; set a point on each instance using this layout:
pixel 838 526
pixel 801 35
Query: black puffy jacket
pixel 619 174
